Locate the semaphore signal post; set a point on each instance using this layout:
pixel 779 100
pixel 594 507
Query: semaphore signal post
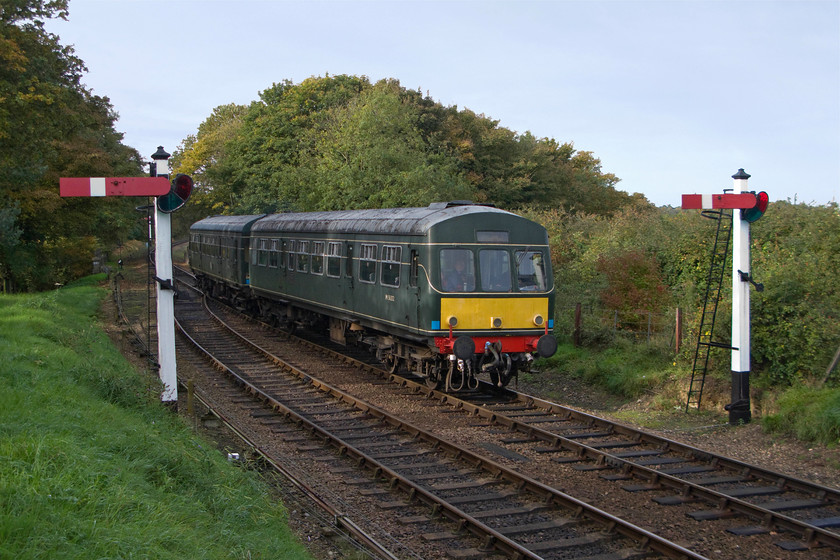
pixel 170 195
pixel 747 207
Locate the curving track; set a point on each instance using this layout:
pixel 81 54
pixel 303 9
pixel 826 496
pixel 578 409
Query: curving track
pixel 500 509
pixel 799 515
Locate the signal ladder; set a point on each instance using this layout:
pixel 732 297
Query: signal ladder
pixel 714 283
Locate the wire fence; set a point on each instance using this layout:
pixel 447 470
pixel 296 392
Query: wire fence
pixel 587 325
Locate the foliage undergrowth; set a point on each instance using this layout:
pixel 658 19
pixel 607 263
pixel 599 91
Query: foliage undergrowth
pixel 811 414
pixel 92 466
pixel 625 369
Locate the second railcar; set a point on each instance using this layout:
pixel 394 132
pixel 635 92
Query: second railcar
pixel 218 252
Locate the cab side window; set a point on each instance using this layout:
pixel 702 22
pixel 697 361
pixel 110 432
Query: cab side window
pixel 457 270
pixel 530 271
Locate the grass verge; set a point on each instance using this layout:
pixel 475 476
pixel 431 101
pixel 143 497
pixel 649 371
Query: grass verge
pixel 809 413
pixel 624 369
pixel 92 466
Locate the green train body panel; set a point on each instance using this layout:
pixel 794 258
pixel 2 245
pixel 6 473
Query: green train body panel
pixel 219 248
pixel 384 269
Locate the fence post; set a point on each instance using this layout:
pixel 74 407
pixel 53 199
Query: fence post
pixel 576 333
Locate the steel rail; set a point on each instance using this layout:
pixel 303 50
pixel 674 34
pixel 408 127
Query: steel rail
pixel 828 493
pixel 768 519
pixel 341 520
pixel 812 535
pixel 492 538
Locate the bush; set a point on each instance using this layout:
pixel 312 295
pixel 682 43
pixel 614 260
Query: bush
pixel 810 414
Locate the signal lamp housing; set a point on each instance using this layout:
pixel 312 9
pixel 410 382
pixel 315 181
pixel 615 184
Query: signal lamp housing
pixel 757 211
pixel 178 194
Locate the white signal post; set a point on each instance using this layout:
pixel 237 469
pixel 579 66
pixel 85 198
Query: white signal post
pixel 165 290
pixel 739 407
pixel 159 186
pixel 746 207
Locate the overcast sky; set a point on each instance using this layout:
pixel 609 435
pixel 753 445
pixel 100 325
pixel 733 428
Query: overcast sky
pixel 672 96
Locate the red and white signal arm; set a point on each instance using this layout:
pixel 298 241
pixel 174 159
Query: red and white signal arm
pixel 113 186
pixel 718 201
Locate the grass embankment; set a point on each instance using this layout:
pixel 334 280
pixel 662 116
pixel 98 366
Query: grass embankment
pixel 92 466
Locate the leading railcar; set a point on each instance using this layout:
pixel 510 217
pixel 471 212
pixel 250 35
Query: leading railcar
pixel 450 291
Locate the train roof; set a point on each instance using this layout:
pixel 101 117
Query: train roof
pixel 241 224
pixel 400 221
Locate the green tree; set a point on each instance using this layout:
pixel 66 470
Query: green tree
pixel 796 319
pixel 52 126
pixel 341 142
pixel 203 156
pixel 371 153
pixel 262 173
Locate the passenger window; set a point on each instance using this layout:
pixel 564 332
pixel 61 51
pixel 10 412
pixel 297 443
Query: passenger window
pixel 367 264
pixel 292 255
pixel 391 257
pixel 303 256
pixel 274 255
pixel 334 260
pixel 317 257
pixel 457 270
pixel 495 270
pixel 262 253
pixel 530 271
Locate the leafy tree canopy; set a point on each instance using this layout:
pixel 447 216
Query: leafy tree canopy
pixel 340 142
pixel 52 126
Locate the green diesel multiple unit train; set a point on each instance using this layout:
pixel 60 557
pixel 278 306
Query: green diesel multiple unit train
pixel 448 292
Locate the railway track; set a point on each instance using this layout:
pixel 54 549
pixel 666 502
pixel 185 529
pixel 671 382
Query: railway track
pixel 721 487
pixel 798 515
pixel 801 515
pixel 489 508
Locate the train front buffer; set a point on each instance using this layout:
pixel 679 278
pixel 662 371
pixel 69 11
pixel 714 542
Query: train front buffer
pixel 498 336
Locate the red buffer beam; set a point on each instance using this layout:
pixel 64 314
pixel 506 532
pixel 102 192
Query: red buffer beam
pixel 113 186
pixel 718 201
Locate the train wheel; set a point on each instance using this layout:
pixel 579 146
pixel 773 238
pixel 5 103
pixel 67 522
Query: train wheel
pixel 393 363
pixel 433 377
